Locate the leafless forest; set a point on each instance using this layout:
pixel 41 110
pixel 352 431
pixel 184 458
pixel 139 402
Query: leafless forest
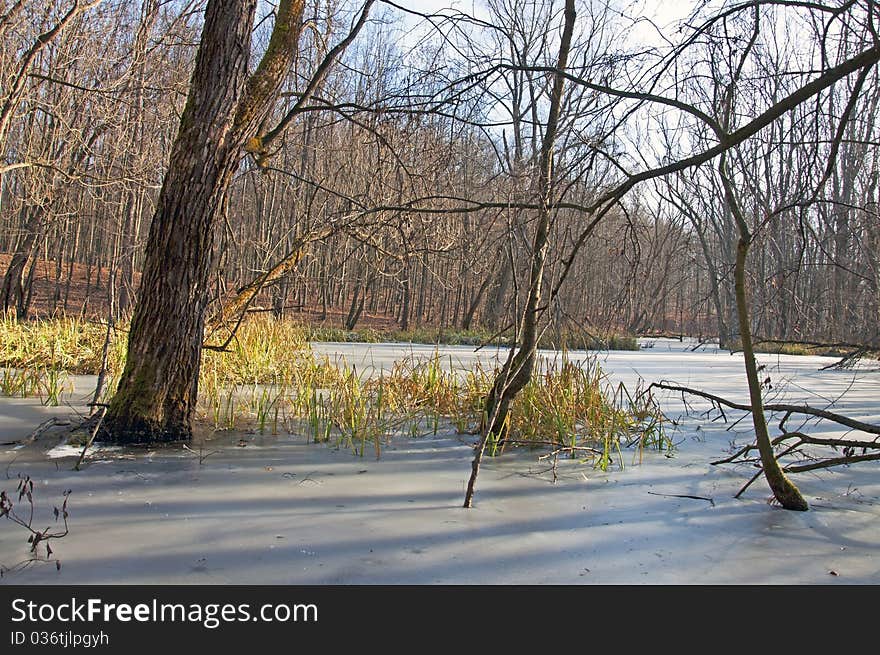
pixel 398 175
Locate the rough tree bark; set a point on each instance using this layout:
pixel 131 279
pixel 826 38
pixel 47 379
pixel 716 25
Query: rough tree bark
pixel 156 395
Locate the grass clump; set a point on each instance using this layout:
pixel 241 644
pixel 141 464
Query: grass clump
pixel 70 344
pixel 573 409
pixel 266 378
pixel 38 357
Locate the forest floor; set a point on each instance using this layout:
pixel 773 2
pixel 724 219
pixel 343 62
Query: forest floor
pixel 82 291
pixel 264 509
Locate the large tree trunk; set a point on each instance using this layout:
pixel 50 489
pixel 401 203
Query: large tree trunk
pixel 156 396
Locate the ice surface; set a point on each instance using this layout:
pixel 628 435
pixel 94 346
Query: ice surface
pixel 280 511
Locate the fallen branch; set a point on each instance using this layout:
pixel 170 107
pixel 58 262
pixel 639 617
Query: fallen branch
pixel 848 360
pixel 813 466
pixel 712 502
pixel 700 343
pixel 837 345
pixel 776 407
pixel 848 353
pixel 828 463
pixel 849 446
pixel 41 428
pixel 803 439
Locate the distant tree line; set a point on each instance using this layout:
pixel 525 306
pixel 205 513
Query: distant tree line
pixel 402 182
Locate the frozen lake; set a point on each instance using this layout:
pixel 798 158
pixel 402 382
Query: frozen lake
pixel 280 511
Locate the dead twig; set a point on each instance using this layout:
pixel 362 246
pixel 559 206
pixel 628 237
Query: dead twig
pixel 45 425
pixel 710 501
pixel 82 455
pixel 201 454
pixel 35 537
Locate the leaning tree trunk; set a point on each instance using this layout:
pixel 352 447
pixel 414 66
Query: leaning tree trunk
pixel 517 372
pixel 156 396
pixel 783 489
